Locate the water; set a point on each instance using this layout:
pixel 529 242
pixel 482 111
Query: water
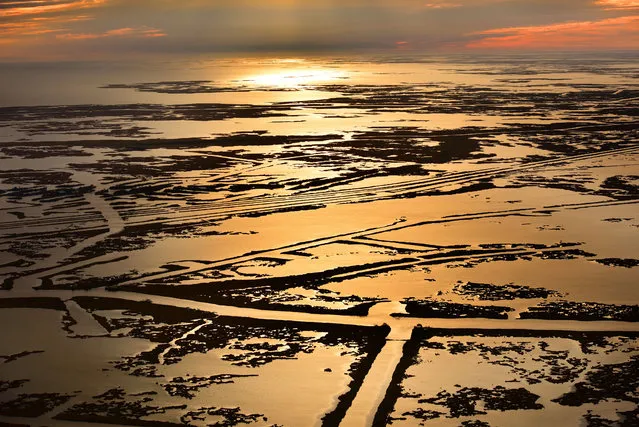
pixel 278 240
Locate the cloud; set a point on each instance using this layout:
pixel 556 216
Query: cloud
pixel 29 19
pixel 613 33
pixel 37 29
pixel 32 29
pixel 37 26
pixel 442 5
pixel 140 32
pixel 37 7
pixel 618 4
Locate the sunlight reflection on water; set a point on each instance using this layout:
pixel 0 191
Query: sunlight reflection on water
pixel 296 78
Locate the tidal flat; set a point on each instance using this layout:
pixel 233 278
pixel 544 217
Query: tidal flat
pixel 322 241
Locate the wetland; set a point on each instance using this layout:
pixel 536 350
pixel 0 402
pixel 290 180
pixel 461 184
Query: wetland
pixel 322 241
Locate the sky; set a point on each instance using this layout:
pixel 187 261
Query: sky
pixel 43 30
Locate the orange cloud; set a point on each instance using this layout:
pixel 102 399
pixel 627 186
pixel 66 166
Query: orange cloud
pixel 44 29
pixel 140 32
pixel 614 33
pixel 38 26
pixel 441 5
pixel 27 7
pixel 618 4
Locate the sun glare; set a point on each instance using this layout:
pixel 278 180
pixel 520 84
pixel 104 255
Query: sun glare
pixel 295 78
